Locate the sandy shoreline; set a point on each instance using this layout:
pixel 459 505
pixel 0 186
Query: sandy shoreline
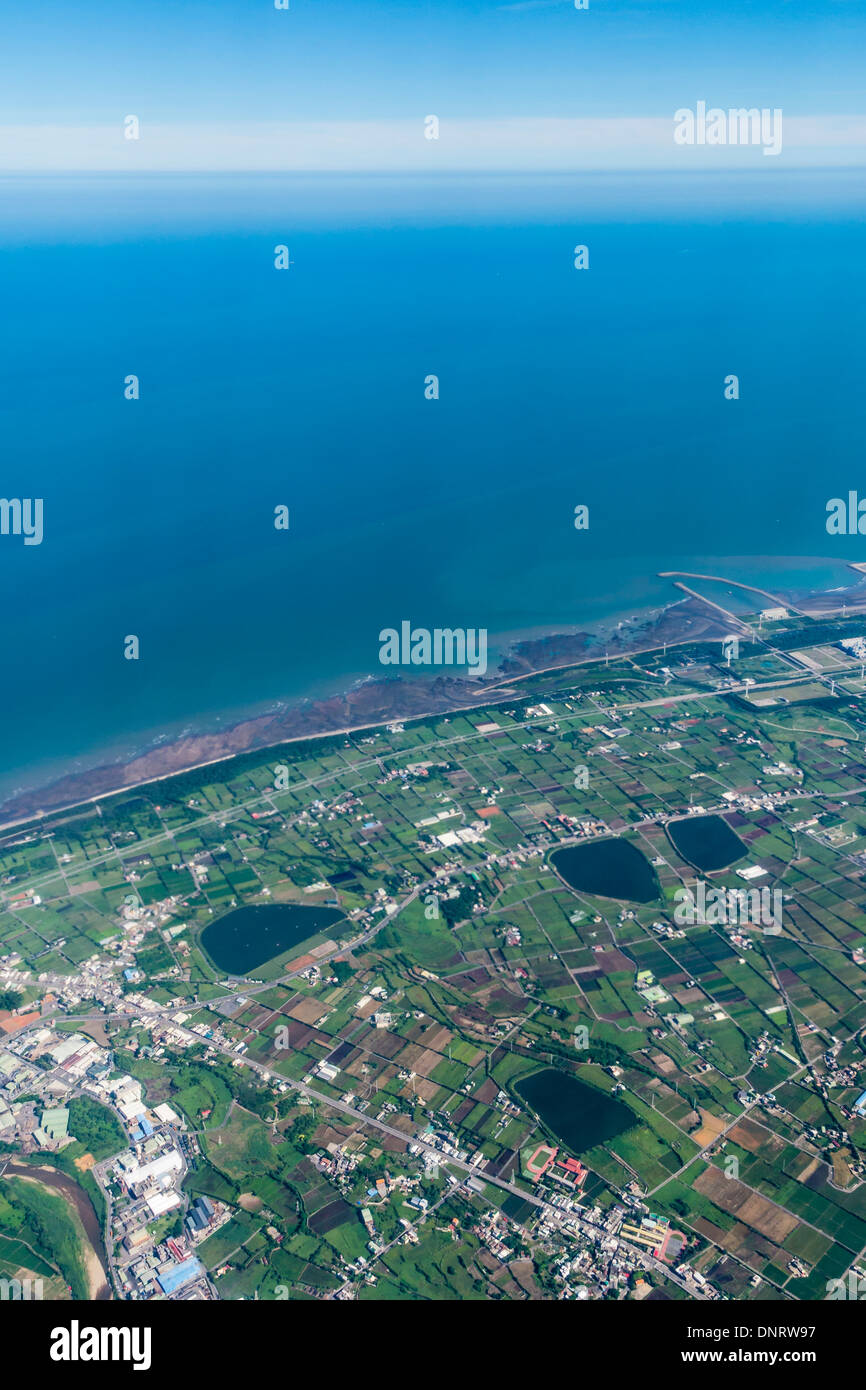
pixel 367 705
pixel 373 703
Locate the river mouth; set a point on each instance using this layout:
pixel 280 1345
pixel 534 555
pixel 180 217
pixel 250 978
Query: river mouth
pixel 607 868
pixel 707 843
pixel 248 937
pixel 578 1115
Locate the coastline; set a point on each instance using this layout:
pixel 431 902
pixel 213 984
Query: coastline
pixel 372 703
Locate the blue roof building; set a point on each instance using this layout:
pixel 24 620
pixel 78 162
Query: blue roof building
pixel 180 1275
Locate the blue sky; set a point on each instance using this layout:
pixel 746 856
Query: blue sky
pixel 363 67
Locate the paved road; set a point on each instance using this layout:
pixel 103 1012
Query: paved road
pixel 582 1223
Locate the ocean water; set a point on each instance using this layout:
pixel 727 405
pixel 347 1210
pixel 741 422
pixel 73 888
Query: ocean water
pixel 306 388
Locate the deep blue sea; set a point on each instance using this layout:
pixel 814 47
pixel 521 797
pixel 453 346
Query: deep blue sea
pixel 306 388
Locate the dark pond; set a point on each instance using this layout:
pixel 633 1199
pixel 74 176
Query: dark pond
pixel 246 937
pixel 610 868
pixel 577 1114
pixel 706 842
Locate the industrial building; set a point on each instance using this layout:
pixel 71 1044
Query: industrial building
pixel 178 1276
